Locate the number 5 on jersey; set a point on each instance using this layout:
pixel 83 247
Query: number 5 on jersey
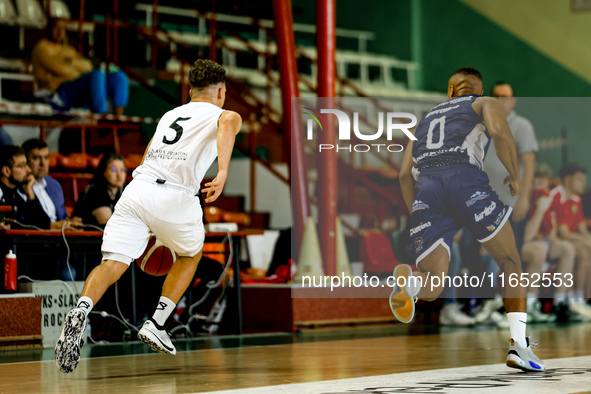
pixel 179 131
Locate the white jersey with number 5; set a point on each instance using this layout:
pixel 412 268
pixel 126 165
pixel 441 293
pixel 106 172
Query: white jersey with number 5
pixel 184 145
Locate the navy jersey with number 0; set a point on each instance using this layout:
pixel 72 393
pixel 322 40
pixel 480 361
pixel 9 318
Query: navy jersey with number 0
pixel 451 133
pixel 452 191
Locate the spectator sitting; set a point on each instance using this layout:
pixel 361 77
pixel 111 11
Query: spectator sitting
pixel 48 190
pixel 572 227
pixel 541 244
pixel 16 188
pixel 96 204
pixel 66 79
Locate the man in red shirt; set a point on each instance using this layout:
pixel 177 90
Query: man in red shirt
pixel 541 244
pixel 572 227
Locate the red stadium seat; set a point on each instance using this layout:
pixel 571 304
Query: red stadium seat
pixel 94 160
pixel 74 161
pixel 376 252
pixel 54 158
pixel 132 161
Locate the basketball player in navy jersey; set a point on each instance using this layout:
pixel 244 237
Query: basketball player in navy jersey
pixel 445 189
pixel 162 199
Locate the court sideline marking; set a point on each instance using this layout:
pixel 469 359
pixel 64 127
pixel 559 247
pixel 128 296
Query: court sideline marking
pixel 563 375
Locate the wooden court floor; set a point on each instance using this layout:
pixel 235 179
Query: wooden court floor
pixel 258 361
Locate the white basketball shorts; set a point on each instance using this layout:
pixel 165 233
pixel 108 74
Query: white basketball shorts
pixel 171 213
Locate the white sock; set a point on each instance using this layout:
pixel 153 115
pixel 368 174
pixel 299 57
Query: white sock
pixel 85 303
pixel 413 286
pixel 517 326
pixel 163 310
pixel 559 297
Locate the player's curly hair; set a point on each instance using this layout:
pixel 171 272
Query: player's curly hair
pixel 468 71
pixel 206 72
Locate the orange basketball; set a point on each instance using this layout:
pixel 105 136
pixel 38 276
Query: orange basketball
pixel 157 258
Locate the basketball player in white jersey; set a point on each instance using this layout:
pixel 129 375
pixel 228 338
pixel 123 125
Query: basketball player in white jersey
pixel 162 199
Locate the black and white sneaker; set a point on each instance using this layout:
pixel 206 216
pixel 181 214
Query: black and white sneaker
pixel 524 358
pixel 67 349
pixel 154 335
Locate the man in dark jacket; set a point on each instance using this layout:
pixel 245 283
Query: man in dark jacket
pixel 16 189
pixel 48 191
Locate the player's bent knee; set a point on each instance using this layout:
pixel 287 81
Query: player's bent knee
pixel 114 266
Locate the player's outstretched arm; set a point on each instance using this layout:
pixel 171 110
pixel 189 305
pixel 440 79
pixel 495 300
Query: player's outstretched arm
pixel 407 182
pixel 498 128
pixel 229 125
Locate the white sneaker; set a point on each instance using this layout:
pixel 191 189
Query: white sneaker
pixel 488 308
pixel 500 320
pixel 402 299
pixel 154 335
pixel 451 315
pixel 535 314
pixel 524 358
pixel 67 349
pixel 582 309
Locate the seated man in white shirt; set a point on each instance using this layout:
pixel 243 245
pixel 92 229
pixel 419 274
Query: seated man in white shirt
pixel 48 190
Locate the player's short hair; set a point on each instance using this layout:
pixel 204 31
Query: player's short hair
pixel 33 143
pixel 468 71
pixel 571 169
pixel 498 83
pixel 543 170
pixel 8 153
pixel 205 73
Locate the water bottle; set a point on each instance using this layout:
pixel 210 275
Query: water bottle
pixel 10 271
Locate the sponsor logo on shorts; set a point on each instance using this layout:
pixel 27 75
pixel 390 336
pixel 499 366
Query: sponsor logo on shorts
pixel 475 197
pixel 419 228
pixel 417 205
pixel 491 228
pixel 500 217
pixel 418 244
pixel 487 211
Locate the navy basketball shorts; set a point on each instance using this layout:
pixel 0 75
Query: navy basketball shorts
pixel 449 198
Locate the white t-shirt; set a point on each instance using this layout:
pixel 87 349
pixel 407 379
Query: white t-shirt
pixel 184 145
